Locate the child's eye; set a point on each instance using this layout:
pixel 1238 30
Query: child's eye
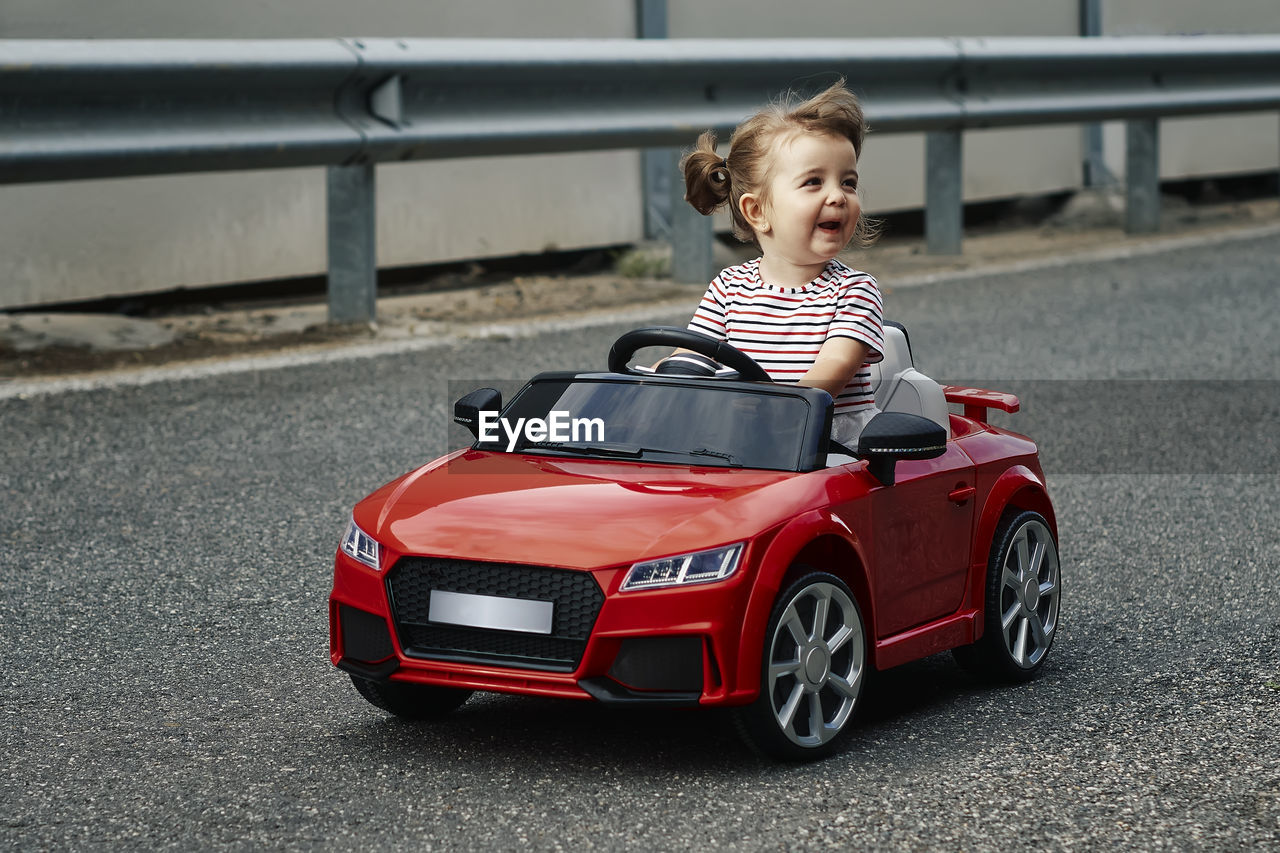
pixel 812 182
pixel 851 183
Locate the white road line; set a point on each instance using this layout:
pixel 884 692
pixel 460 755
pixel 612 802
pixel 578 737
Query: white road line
pixel 330 354
pixel 1110 253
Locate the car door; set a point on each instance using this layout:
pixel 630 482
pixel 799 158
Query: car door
pixel 921 528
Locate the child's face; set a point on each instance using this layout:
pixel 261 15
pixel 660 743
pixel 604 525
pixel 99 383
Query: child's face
pixel 811 209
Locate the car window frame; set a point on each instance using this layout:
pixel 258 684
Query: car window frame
pixel 813 444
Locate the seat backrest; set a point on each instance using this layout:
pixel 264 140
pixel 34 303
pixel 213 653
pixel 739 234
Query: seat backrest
pixel 899 387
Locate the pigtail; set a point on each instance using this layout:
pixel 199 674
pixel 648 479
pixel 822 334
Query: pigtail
pixel 706 176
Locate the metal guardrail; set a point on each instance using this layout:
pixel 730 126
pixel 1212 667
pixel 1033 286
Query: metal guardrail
pixel 87 109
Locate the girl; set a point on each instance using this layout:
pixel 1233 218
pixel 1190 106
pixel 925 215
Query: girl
pixel 791 182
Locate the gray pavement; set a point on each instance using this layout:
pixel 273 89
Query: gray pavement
pixel 167 548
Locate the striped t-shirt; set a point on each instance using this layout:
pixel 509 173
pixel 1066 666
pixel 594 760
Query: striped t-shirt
pixel 783 328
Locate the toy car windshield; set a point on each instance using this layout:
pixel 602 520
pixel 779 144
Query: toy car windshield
pixel 716 424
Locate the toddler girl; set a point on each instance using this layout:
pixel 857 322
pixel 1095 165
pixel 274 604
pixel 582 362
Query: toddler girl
pixel 791 182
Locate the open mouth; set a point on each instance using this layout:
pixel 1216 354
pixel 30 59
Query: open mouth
pixel 831 225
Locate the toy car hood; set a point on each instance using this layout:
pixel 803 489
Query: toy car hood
pixel 571 512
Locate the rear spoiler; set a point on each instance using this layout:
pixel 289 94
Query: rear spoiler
pixel 976 401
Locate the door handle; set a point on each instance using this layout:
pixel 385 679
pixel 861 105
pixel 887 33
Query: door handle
pixel 960 494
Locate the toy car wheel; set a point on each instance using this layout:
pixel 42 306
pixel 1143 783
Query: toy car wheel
pixel 410 701
pixel 812 672
pixel 1022 600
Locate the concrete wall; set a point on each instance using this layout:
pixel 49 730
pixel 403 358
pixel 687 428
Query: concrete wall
pixel 90 239
pixel 997 163
pixel 1222 145
pixel 242 19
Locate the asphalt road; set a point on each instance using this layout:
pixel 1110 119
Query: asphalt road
pixel 166 555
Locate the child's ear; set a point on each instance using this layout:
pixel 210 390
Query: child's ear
pixel 753 211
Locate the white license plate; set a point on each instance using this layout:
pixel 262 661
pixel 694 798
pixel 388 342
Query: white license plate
pixel 490 611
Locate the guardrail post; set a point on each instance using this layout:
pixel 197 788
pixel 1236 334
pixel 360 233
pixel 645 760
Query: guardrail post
pixel 656 192
pixel 651 23
pixel 1095 171
pixel 352 243
pixel 943 192
pixel 1142 176
pixel 691 234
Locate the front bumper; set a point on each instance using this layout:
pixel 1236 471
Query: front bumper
pixel 674 646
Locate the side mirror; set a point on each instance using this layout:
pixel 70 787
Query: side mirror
pixel 891 436
pixel 468 408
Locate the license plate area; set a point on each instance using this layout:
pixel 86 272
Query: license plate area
pixel 494 612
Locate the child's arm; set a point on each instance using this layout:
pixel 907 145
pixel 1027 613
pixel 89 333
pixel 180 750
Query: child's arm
pixel 676 351
pixel 837 362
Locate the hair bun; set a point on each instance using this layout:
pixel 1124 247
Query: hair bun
pixel 706 176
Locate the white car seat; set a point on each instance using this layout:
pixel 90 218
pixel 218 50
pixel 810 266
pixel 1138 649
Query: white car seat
pixel 899 387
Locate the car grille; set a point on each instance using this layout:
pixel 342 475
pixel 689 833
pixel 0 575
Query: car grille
pixel 577 599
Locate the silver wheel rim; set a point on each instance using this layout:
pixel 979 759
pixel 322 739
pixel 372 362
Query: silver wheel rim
pixel 816 658
pixel 1029 587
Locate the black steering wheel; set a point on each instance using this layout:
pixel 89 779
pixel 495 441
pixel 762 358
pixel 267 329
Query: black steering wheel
pixel 671 336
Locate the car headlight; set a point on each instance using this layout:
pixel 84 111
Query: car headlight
pixel 360 546
pixel 699 567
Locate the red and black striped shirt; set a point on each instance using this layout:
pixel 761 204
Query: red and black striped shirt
pixel 784 328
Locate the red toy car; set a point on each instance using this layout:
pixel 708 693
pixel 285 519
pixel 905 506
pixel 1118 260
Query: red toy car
pixel 696 538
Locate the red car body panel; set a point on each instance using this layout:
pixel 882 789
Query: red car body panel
pixel 509 507
pixel 914 553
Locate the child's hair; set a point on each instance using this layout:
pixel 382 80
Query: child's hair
pixel 711 181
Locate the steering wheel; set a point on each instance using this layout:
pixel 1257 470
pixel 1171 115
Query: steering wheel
pixel 671 336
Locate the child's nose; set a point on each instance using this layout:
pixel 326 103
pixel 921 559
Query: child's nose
pixel 835 195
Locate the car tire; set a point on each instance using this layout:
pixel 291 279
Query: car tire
pixel 1021 604
pixel 410 701
pixel 811 674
